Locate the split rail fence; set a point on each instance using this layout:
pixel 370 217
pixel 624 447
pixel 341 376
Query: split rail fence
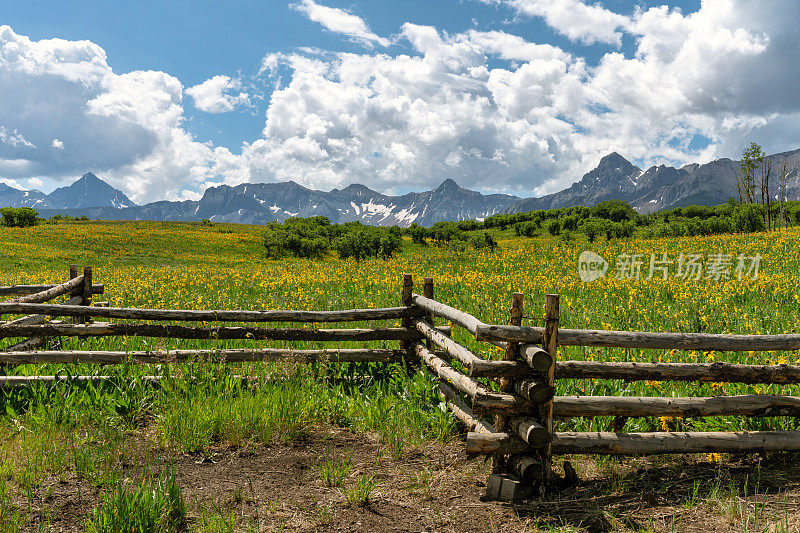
pixel 507 405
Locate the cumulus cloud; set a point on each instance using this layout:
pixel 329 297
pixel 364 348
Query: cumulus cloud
pixel 340 21
pixel 212 96
pixel 127 127
pixel 11 183
pixel 513 47
pixel 35 183
pixel 581 22
pixel 14 138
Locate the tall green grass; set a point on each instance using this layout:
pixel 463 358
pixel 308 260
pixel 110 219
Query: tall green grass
pixel 150 506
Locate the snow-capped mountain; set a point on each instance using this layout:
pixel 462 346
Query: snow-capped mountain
pixel 88 191
pixel 660 187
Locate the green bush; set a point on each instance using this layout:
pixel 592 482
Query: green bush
pixel 527 229
pixel 554 227
pixel 570 223
pixel 486 240
pixel 19 217
pixel 444 232
pixel 314 237
pixel 614 210
pixel 367 241
pixel 417 233
pixel 748 218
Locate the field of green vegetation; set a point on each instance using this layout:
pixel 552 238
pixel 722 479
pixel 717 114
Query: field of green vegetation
pixel 98 432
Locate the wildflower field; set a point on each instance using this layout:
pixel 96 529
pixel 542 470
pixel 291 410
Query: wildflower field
pixel 95 434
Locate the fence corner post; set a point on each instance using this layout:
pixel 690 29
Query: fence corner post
pixel 550 344
pixel 505 385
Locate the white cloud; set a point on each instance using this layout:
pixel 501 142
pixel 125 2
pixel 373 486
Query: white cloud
pixel 575 19
pixel 513 47
pixel 57 144
pixel 539 123
pixel 13 138
pixel 35 183
pixel 212 95
pixel 340 21
pixel 126 127
pixel 12 183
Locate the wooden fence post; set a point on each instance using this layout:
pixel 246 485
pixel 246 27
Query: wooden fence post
pixel 408 289
pixel 550 344
pixel 87 285
pixel 73 273
pixel 511 354
pixel 427 292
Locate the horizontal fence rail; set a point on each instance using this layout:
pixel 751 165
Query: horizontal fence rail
pixel 23 382
pixel 716 372
pixel 348 315
pixel 606 443
pixel 53 292
pixel 642 339
pixel 363 355
pixel 23 290
pixel 643 406
pixel 220 333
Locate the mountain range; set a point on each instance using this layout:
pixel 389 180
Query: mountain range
pixel 614 178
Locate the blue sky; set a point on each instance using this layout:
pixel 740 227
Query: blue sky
pixel 396 95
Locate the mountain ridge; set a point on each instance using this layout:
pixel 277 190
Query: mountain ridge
pixel 614 178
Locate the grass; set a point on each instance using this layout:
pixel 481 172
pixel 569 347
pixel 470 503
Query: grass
pixel 60 429
pixel 360 492
pixel 333 470
pixel 153 505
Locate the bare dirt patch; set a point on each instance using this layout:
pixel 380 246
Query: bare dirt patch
pixel 434 488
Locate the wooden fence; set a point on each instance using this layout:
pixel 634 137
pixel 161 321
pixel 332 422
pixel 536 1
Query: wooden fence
pixel 508 404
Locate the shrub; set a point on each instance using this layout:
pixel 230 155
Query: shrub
pixel 417 233
pixel 594 227
pixel 614 210
pixel 527 229
pixel 570 223
pixel 367 241
pixel 20 217
pixel 314 237
pixel 748 218
pixel 486 240
pixel 554 227
pixel 444 232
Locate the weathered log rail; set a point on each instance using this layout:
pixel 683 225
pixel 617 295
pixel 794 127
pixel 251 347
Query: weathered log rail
pixel 193 315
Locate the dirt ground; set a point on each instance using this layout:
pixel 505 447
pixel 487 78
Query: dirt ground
pixel 278 488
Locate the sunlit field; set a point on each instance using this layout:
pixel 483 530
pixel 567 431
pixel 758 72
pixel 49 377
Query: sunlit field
pixel 191 266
